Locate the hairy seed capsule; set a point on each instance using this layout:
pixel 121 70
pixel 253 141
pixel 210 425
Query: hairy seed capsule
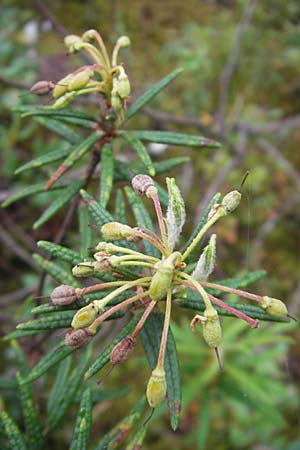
pixel 42 87
pixel 65 295
pixel 77 338
pixel 274 306
pixel 122 350
pixel 142 184
pixel 84 317
pixel 162 279
pixel 157 387
pixel 212 331
pixel 231 201
pixel 116 230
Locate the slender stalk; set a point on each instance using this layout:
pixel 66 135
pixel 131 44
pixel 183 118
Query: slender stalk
pixel 143 319
pixel 254 323
pixel 231 290
pixel 117 248
pixel 137 264
pixel 96 55
pixel 102 48
pixel 98 287
pixel 164 336
pixel 140 257
pixel 161 223
pixel 157 243
pixel 219 213
pixel 197 287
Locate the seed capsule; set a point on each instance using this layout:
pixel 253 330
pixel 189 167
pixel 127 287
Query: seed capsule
pixel 157 387
pixel 63 101
pixel 65 295
pixel 80 80
pixel 122 350
pixel 85 269
pixel 71 40
pixel 42 87
pixel 116 230
pixel 143 185
pixel 162 279
pixel 212 331
pixel 84 317
pixel 77 338
pixel 231 201
pixel 274 306
pixel 61 87
pixel 123 41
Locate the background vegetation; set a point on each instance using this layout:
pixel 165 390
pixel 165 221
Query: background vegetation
pixel 240 86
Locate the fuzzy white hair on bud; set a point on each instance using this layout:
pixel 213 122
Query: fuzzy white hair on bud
pixel 175 213
pixel 206 264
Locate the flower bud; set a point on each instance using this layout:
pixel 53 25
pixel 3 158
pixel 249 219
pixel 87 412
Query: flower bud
pixel 162 279
pixel 274 306
pixel 71 40
pixel 102 263
pixel 122 350
pixel 175 213
pixel 85 269
pixel 80 80
pixel 121 83
pixel 65 295
pixel 42 87
pixel 143 185
pixel 89 35
pixel 231 201
pixel 123 42
pixel 77 338
pixel 84 317
pixel 206 263
pixel 63 102
pixel 212 331
pixel 116 230
pixel 157 387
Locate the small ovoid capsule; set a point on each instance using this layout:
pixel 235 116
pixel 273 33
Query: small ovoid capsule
pixel 157 387
pixel 63 101
pixel 143 185
pixel 122 83
pixel 274 306
pixel 42 87
pixel 84 269
pixel 212 331
pixel 84 317
pixel 162 279
pixel 122 350
pixel 123 41
pixel 231 201
pixel 80 80
pixel 71 40
pixel 65 295
pixel 116 230
pixel 77 338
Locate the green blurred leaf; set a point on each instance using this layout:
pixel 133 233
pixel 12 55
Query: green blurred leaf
pixel 173 138
pixel 43 160
pixel 107 174
pixel 99 214
pixel 13 434
pixel 140 150
pixel 30 190
pixel 60 129
pixel 83 423
pixel 56 271
pixel 86 236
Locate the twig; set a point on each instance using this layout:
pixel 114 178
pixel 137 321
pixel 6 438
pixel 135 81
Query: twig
pixel 13 245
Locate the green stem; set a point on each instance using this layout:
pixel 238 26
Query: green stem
pixel 96 55
pixel 98 287
pixel 164 336
pixel 137 264
pixel 143 319
pixel 198 287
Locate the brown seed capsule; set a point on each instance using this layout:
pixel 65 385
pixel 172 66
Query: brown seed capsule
pixel 77 338
pixel 65 295
pixel 142 183
pixel 122 350
pixel 42 87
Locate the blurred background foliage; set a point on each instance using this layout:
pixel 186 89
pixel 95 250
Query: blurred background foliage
pixel 241 86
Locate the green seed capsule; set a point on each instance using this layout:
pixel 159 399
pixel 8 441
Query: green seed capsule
pixel 84 317
pixel 274 306
pixel 123 41
pixel 63 101
pixel 163 277
pixel 231 201
pixel 71 39
pixel 61 87
pixel 212 331
pixel 116 230
pixel 157 387
pixel 80 80
pixel 85 269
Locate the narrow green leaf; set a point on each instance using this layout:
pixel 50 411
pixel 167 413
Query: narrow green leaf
pixel 71 388
pixel 151 336
pixel 137 440
pixel 61 319
pixel 107 174
pixel 141 151
pixel 60 382
pixel 13 434
pixel 83 423
pixel 59 203
pixel 99 214
pixel 33 427
pixel 56 271
pixel 60 252
pixel 18 334
pixel 50 308
pixel 103 358
pixel 173 138
pixel 169 164
pixel 142 218
pixel 78 122
pixel 240 281
pixel 203 421
pixel 60 129
pixel 151 93
pixel 86 236
pixel 27 191
pixel 28 111
pixel 43 160
pixel 120 208
pixel 49 360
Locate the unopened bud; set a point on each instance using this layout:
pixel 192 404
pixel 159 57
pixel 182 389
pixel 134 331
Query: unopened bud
pixel 85 269
pixel 84 317
pixel 123 41
pixel 89 35
pixel 116 101
pixel 42 87
pixel 162 279
pixel 77 338
pixel 143 185
pixel 206 263
pixel 122 350
pixel 116 230
pixel 122 83
pixel 65 295
pixel 71 40
pixel 212 331
pixel 274 306
pixel 231 201
pixel 157 387
pixel 80 80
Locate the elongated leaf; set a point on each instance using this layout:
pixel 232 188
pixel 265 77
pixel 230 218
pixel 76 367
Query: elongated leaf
pixel 71 388
pixel 151 93
pixel 151 337
pixel 56 271
pixel 18 334
pixel 173 138
pixel 107 174
pixel 49 360
pixel 86 236
pixel 50 308
pixel 142 218
pixel 13 434
pixel 240 281
pixel 83 423
pixel 120 208
pixel 99 214
pixel 169 164
pixel 60 129
pixel 43 160
pixel 103 358
pixel 61 319
pixel 28 111
pixel 61 380
pixel 203 421
pixel 59 203
pixel 33 428
pixel 79 151
pixel 141 151
pixel 136 442
pixel 26 192
pixel 60 252
pixel 77 121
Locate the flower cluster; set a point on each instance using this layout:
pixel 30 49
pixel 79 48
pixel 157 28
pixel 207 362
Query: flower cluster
pixel 158 280
pixel 105 76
